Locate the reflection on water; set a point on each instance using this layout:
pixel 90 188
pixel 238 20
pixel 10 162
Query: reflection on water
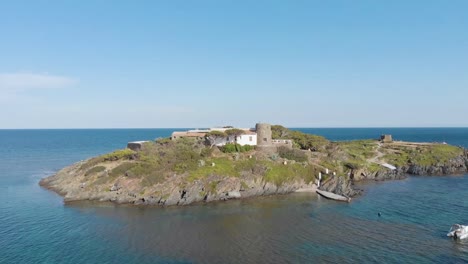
pixel 252 231
pixel 289 228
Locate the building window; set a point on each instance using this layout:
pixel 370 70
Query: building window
pixel 250 138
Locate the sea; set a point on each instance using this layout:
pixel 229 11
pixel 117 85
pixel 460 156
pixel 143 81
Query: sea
pixel 37 227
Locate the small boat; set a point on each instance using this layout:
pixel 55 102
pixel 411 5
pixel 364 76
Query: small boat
pixel 333 196
pixel 458 231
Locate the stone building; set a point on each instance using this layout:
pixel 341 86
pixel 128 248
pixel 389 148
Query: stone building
pixel 259 137
pixel 265 141
pixel 386 138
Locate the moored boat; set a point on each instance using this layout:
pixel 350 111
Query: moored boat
pixel 458 231
pixel 333 196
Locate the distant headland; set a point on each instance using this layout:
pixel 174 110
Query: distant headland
pixel 215 164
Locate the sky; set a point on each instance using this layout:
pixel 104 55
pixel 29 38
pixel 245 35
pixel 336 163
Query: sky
pixel 155 64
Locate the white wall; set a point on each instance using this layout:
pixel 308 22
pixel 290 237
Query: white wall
pixel 247 140
pixel 241 140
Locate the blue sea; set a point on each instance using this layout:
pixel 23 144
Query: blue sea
pixel 37 227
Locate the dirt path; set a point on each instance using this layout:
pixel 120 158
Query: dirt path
pixel 378 156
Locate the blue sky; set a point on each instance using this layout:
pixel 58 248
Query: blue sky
pixel 118 64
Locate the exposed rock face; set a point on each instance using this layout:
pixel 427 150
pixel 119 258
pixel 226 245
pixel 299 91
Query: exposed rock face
pixel 73 184
pixel 457 165
pixel 173 191
pixel 340 185
pixel 344 186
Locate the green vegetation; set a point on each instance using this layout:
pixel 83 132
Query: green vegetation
pixel 215 136
pixel 279 132
pixel 94 170
pixel 398 158
pixel 359 149
pixel 206 152
pixel 222 167
pixel 192 159
pixel 356 153
pixel 163 141
pixel 301 140
pixel 234 132
pixel 122 169
pixel 422 155
pixel 231 148
pixel 373 167
pixel 292 154
pixel 91 163
pixel 244 185
pixel 213 186
pixel 121 154
pixel 279 174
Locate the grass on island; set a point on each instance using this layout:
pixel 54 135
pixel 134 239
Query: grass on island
pixel 359 149
pixel 192 159
pixel 426 155
pixel 95 170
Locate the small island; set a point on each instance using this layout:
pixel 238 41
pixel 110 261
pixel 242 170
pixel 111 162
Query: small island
pixel 230 163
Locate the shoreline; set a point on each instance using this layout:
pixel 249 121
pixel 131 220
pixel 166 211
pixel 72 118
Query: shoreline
pixel 192 172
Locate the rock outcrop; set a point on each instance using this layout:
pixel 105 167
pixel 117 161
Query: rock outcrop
pixel 343 185
pixel 174 191
pixel 340 185
pixel 457 165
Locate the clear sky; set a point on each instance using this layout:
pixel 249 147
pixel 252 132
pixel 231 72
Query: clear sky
pixel 116 64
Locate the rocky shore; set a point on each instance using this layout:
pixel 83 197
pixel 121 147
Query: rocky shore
pixel 181 172
pixel 71 184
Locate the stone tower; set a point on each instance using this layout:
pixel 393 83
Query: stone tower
pixel 263 135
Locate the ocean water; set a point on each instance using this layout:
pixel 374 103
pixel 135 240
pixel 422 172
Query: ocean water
pixel 37 227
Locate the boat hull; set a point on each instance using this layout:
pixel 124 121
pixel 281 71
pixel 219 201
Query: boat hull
pixel 333 196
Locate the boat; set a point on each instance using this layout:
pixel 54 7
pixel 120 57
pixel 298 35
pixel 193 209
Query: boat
pixel 458 231
pixel 333 196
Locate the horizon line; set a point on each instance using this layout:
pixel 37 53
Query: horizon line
pixel 292 127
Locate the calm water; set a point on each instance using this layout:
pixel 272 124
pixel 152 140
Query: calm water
pixel 36 227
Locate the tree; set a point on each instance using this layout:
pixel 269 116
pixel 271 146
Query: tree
pixel 214 137
pixel 235 132
pixel 279 132
pixel 302 140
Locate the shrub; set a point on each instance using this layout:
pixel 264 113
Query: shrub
pixel 292 154
pixel 121 154
pixel 121 169
pixel 91 163
pixel 163 141
pixel 300 139
pixel 206 152
pixel 231 148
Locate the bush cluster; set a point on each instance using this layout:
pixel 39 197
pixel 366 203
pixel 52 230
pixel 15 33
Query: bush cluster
pixel 300 139
pixel 292 154
pixel 119 155
pixel 231 148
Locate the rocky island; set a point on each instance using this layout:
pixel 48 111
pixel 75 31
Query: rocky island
pixel 205 166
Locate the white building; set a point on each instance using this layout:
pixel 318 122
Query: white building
pixel 249 137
